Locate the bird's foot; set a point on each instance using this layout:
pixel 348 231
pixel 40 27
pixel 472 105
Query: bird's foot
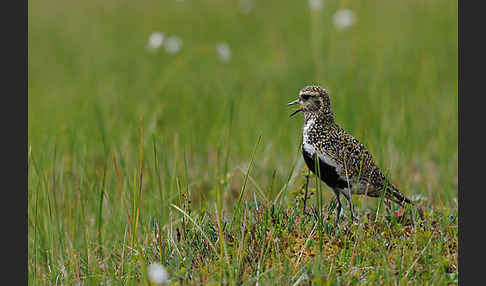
pixel 307 213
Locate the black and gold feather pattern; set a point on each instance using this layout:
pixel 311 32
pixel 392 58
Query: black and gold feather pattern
pixel 345 164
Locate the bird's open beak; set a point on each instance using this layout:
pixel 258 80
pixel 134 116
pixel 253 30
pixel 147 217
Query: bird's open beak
pixel 298 110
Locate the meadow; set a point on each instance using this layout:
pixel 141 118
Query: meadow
pixel 184 154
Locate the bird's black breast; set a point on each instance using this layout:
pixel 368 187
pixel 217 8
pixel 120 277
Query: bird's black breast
pixel 328 173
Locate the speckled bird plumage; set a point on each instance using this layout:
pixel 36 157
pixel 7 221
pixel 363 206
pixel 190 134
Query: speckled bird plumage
pixel 345 164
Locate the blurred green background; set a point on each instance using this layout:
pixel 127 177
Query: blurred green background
pixel 94 83
pixel 392 78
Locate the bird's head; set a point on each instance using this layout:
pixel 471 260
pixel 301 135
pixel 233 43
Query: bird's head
pixel 313 99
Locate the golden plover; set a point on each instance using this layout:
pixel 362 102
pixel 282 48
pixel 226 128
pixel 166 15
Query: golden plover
pixel 342 162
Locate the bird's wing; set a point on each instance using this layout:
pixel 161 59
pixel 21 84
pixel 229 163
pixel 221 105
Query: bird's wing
pixel 358 168
pixel 358 163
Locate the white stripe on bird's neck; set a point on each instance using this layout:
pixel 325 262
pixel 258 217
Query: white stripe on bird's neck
pixel 310 148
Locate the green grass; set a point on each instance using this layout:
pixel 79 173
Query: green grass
pixel 138 157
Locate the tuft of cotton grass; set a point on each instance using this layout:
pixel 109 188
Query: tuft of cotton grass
pixel 343 18
pixel 173 45
pixel 316 4
pixel 245 6
pixel 156 40
pixel 224 52
pixel 157 273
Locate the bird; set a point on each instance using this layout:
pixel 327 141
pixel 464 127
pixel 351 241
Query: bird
pixel 336 157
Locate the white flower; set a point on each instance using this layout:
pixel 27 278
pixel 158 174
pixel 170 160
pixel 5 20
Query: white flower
pixel 173 44
pixel 224 52
pixel 157 273
pixel 316 4
pixel 155 41
pixel 343 18
pixel 246 6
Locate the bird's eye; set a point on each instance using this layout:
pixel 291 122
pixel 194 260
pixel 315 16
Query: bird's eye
pixel 305 96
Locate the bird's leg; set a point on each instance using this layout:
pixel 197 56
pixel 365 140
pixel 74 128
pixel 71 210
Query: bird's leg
pixel 388 206
pixel 347 194
pixel 338 207
pixel 306 189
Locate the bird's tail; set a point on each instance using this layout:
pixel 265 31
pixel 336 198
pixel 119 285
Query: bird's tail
pixel 394 194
